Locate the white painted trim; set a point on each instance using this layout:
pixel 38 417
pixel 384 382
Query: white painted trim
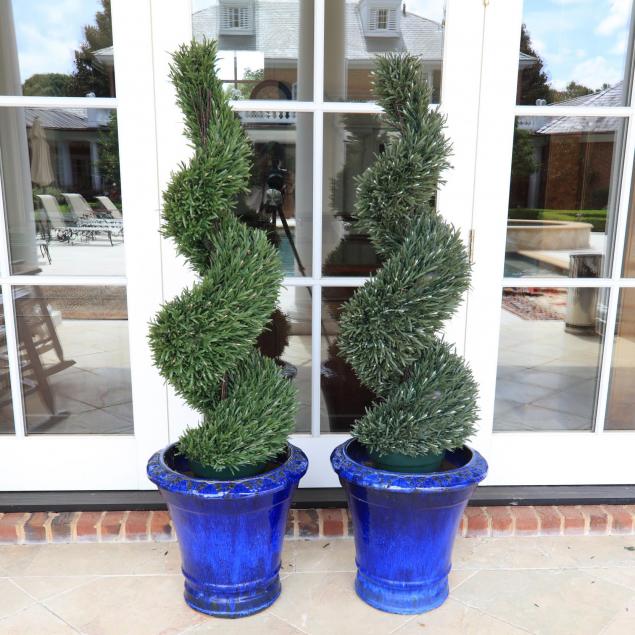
pixel 87 281
pixel 57 102
pixel 573 111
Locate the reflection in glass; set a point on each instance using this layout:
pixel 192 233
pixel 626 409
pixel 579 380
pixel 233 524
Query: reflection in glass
pixel 288 341
pixel 61 49
pixel 629 243
pixel 6 408
pixel 344 399
pixel 350 144
pixel 548 359
pixel 60 175
pixel 266 46
pixel 620 412
pixel 575 53
pixel 563 195
pixel 74 356
pixel 359 30
pixel 280 200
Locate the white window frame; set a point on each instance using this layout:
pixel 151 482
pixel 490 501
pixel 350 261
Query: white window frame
pixel 98 461
pixel 534 458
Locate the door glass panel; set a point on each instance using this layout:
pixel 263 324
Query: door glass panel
pixel 62 197
pixel 563 196
pixel 548 359
pixel 280 200
pixel 350 145
pixel 620 414
pixel 60 49
pixel 344 399
pixel 356 32
pixel 6 408
pixel 266 46
pixel 628 270
pixel 288 341
pixel 74 355
pixel 574 53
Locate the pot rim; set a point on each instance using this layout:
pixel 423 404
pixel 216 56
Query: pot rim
pixel 349 469
pixel 166 478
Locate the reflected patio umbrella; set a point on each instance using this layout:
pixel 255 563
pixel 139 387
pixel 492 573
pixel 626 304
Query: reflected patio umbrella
pixel 41 168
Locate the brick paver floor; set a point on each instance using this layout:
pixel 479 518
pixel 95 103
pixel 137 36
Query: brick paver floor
pixel 500 585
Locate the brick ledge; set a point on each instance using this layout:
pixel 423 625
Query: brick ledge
pixel 146 526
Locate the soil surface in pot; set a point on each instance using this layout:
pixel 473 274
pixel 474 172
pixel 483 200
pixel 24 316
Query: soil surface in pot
pixel 180 463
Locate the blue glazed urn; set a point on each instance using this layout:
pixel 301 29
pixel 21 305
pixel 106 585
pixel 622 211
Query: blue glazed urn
pixel 230 532
pixel 404 525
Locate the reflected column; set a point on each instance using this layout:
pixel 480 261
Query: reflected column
pixel 16 172
pixel 334 134
pixel 304 170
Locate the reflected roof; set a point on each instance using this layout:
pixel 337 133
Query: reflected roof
pixel 609 97
pixel 276 33
pixel 67 118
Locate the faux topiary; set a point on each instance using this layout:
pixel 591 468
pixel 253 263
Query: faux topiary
pixel 390 327
pixel 203 341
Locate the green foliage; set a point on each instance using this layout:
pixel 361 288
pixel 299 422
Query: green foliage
pixel 389 328
pixel 203 340
pixel 253 77
pixel 47 85
pixel 204 192
pixel 433 408
pixel 523 162
pixel 597 217
pixel 89 76
pixel 109 154
pixel 533 81
pixel 251 424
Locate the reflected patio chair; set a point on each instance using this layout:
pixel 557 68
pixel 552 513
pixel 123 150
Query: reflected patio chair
pixel 78 207
pixel 86 216
pixel 66 229
pixel 37 337
pixel 110 207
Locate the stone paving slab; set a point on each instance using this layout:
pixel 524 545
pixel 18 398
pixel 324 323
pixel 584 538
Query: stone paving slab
pixel 560 585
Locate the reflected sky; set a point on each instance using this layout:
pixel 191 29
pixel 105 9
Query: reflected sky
pixel 579 40
pixel 48 33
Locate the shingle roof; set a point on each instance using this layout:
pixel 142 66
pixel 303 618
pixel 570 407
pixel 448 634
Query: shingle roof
pixel 61 118
pixel 277 31
pixel 612 96
pixel 66 118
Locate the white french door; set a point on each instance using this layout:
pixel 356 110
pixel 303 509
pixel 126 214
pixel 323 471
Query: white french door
pixel 302 90
pixel 550 319
pixel 81 407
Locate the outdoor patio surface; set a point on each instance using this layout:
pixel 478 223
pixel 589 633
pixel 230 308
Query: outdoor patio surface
pixel 562 585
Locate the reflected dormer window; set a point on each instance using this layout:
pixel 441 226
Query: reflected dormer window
pixel 236 18
pixel 380 17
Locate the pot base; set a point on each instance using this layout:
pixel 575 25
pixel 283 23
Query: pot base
pixel 403 598
pixel 232 602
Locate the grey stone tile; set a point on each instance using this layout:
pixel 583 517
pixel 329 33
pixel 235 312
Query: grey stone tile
pixel 545 602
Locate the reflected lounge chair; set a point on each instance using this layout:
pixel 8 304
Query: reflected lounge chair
pixel 66 229
pixel 110 207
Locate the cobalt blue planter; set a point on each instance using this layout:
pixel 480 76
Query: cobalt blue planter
pixel 230 532
pixel 404 526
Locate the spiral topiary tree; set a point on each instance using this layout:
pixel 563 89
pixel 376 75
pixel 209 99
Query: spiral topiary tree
pixel 390 327
pixel 203 341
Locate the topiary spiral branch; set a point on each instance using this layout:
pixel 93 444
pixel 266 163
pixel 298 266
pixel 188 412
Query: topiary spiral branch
pixel 389 327
pixel 203 340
